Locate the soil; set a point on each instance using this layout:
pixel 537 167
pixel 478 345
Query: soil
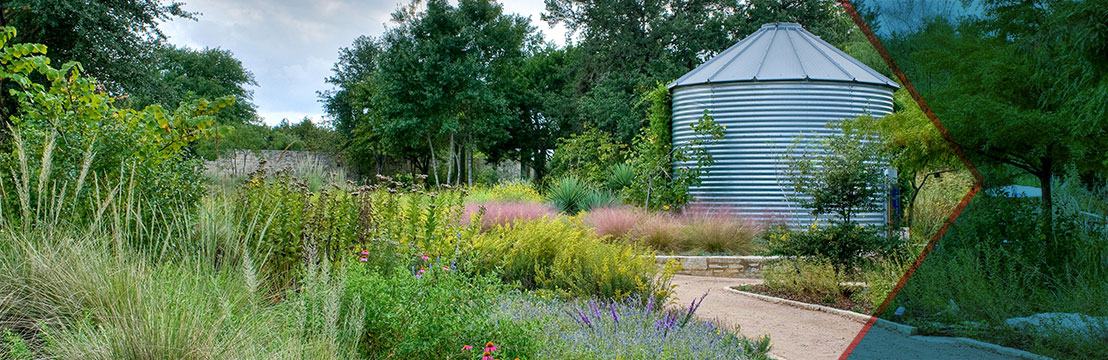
pixel 844 301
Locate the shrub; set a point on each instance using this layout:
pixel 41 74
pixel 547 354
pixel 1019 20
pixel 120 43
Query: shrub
pixel 506 213
pixel 506 192
pixel 806 277
pixel 569 194
pixel 565 256
pixel 586 155
pixel 845 245
pixel 627 330
pixel 433 315
pixel 615 222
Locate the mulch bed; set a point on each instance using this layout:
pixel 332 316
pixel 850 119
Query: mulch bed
pixel 842 302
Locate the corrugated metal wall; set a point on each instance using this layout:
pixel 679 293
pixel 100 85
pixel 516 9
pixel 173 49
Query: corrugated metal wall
pixel 763 121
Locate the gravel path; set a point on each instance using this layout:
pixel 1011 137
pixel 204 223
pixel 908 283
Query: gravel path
pixel 806 334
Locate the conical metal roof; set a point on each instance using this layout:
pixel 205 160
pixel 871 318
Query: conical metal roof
pixel 782 51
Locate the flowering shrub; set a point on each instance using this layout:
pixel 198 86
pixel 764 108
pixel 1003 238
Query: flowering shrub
pixel 590 329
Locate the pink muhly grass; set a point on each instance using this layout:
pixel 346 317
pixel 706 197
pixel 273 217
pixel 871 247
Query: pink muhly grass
pixel 661 232
pixel 718 230
pixel 617 222
pixel 506 213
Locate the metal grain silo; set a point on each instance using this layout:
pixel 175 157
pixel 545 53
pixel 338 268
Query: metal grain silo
pixel 779 84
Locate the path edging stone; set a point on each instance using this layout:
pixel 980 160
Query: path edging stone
pixel 858 317
pixel 896 327
pixel 744 267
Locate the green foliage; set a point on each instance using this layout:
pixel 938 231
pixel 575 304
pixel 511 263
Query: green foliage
pixel 845 245
pixel 621 176
pixel 806 277
pixel 116 41
pixel 564 256
pixel 183 75
pixel 597 199
pixel 664 173
pixel 385 99
pixel 569 194
pixel 434 315
pixel 843 176
pixel 15 347
pixel 66 134
pixel 587 156
pixel 335 223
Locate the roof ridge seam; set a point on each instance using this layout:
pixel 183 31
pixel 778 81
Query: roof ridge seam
pixel 796 54
pixel 833 62
pixel 732 59
pixel 765 54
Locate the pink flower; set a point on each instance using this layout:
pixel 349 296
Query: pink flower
pixel 365 252
pixel 467 347
pixel 363 259
pixel 487 356
pixel 424 257
pixel 490 347
pixel 445 268
pixel 421 271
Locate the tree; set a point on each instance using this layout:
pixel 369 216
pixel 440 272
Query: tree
pixel 114 40
pixel 441 75
pixel 184 75
pixel 842 177
pixel 1022 87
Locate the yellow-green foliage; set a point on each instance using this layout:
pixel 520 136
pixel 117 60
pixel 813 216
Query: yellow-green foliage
pixel 565 256
pixel 809 277
pixel 504 192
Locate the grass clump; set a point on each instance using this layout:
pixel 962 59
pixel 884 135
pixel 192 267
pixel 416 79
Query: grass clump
pixel 812 278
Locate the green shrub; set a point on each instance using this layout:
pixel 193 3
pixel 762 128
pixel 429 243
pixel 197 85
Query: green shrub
pixel 880 278
pixel 806 277
pixel 565 256
pixel 587 156
pixel 433 315
pixel 569 194
pixel 845 245
pixel 15 347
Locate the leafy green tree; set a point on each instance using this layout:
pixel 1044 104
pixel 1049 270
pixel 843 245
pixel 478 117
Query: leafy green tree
pixel 586 156
pixel 114 40
pixel 183 75
pixel 1020 87
pixel 841 177
pixel 442 75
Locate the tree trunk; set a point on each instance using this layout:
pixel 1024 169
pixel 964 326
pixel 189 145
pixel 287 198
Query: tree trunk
pixel 469 165
pixel 450 163
pixel 434 160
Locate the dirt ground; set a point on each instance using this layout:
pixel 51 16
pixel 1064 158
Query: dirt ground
pixel 798 334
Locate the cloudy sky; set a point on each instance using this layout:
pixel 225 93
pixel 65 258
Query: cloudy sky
pixel 290 45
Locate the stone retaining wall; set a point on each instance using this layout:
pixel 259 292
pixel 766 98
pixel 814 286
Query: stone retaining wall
pixel 720 266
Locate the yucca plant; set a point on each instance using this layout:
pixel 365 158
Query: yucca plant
pixel 620 177
pixel 568 194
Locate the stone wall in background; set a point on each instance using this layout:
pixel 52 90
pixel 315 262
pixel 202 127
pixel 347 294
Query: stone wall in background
pixel 244 162
pixel 720 266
